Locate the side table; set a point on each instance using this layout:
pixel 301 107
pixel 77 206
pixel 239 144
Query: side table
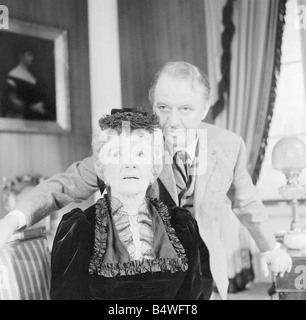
pixel 292 286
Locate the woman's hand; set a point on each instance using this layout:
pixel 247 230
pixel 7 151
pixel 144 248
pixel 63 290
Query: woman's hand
pixel 8 225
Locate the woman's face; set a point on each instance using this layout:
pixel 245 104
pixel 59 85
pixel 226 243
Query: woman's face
pixel 28 58
pixel 128 163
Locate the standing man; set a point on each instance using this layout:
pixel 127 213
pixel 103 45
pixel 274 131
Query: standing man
pixel 213 168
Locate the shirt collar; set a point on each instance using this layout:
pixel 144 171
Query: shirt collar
pixel 117 207
pixel 191 148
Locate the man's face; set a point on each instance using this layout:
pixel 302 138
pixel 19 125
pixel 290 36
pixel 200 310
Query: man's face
pixel 180 109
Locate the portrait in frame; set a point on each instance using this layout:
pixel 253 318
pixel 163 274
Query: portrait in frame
pixel 34 83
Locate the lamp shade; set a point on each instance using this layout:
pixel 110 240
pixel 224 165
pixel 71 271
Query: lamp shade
pixel 289 153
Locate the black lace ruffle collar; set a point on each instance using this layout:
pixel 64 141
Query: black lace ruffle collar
pixel 133 267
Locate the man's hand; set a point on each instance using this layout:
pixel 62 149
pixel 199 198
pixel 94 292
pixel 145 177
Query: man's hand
pixel 277 260
pixel 8 225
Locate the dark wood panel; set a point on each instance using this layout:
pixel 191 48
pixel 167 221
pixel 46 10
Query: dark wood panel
pixel 42 153
pixel 153 32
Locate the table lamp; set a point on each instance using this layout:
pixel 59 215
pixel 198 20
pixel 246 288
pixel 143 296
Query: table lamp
pixel 289 156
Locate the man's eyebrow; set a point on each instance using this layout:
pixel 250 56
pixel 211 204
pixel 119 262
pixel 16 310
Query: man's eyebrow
pixel 185 105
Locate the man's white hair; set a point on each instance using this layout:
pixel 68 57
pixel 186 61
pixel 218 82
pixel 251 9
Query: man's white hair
pixel 186 71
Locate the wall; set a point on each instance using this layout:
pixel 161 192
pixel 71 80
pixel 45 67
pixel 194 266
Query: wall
pixel 153 32
pixel 104 54
pixel 43 153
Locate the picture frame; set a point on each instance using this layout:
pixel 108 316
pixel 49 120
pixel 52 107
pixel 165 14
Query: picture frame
pixel 34 79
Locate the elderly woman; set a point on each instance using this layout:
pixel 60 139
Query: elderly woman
pixel 126 246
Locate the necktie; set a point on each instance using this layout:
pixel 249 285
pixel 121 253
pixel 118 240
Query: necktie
pixel 181 171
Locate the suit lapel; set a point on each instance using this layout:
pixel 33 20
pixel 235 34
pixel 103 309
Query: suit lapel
pixel 206 162
pixel 167 177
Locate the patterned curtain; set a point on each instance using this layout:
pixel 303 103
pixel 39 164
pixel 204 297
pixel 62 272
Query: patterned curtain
pixel 266 110
pixel 226 40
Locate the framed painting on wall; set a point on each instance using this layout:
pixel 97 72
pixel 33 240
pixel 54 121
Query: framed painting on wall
pixel 34 84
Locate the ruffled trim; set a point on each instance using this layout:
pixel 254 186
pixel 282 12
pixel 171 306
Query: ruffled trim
pixel 133 267
pixel 101 227
pixel 163 211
